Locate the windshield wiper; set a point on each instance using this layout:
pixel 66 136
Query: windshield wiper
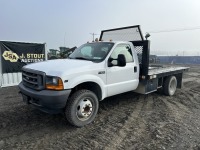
pixel 82 58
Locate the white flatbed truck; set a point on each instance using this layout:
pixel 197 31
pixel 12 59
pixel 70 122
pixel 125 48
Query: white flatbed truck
pixel 94 71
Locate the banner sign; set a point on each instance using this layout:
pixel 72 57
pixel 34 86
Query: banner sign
pixel 16 54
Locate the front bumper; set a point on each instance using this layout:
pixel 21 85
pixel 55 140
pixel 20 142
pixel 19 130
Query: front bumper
pixel 46 100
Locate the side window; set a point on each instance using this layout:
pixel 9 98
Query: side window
pixel 86 51
pixel 124 49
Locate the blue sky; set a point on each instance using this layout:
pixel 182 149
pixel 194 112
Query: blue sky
pixel 70 23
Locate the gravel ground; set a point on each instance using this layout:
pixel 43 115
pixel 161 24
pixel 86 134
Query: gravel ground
pixel 126 121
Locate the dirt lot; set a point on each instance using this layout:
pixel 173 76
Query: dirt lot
pixel 126 121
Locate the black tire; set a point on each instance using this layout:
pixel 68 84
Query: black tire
pixel 169 86
pixel 81 108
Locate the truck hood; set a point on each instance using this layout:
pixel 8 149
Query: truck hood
pixel 61 67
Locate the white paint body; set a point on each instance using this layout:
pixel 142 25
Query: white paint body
pixel 114 81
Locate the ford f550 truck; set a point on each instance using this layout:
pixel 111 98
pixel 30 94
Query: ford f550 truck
pixel 95 71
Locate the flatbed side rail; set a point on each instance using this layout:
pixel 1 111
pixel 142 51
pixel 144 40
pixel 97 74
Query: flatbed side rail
pixel 167 70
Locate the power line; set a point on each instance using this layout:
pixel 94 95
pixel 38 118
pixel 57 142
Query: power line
pixel 175 30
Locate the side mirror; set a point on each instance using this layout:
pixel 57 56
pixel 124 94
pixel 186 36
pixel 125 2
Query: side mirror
pixel 121 60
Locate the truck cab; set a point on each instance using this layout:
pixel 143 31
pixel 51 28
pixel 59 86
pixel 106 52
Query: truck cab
pixel 104 68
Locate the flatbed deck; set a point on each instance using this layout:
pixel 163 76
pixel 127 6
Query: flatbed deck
pixel 163 70
pixel 156 76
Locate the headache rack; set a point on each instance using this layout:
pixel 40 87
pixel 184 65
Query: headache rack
pixel 33 79
pixel 132 34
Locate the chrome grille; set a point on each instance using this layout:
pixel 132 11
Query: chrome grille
pixel 33 79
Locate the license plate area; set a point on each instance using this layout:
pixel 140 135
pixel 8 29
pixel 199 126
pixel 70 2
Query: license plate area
pixel 26 99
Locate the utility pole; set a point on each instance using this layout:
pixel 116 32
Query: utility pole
pixel 64 38
pixel 93 34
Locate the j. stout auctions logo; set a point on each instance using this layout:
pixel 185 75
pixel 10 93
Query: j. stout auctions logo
pixel 13 57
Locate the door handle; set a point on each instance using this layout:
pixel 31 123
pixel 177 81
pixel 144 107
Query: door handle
pixel 135 69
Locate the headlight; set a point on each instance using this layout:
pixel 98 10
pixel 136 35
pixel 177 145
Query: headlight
pixel 54 83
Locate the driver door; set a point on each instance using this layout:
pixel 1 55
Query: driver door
pixel 122 79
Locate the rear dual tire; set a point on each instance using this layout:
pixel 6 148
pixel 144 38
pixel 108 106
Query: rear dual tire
pixel 170 85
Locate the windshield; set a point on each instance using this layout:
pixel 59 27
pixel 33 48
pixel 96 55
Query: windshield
pixel 92 51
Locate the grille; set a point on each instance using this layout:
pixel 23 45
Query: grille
pixel 33 79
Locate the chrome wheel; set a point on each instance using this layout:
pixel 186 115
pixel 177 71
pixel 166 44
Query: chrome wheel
pixel 172 86
pixel 84 109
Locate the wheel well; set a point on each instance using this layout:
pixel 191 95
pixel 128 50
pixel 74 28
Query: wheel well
pixel 92 86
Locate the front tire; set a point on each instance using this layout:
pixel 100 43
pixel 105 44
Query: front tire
pixel 170 84
pixel 81 108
